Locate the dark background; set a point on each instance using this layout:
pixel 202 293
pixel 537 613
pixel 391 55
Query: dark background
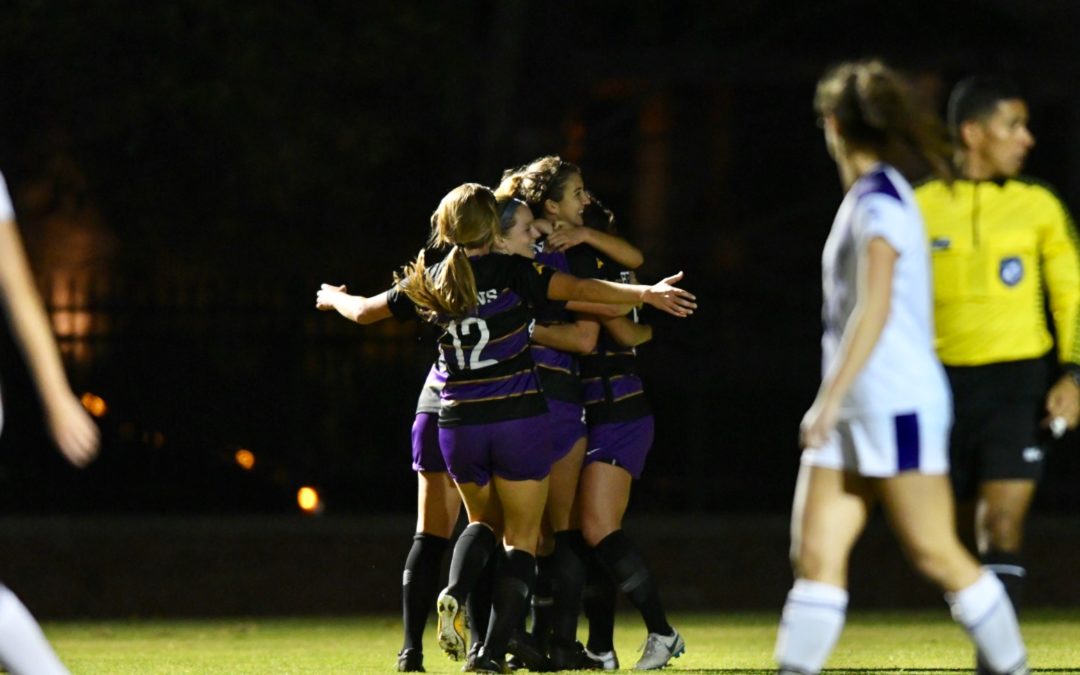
pixel 187 173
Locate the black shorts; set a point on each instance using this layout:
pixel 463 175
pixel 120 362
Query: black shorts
pixel 996 432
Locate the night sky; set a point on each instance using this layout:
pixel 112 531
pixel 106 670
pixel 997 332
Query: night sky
pixel 187 173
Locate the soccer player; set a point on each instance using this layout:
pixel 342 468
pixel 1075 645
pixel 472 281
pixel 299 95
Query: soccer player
pixel 1001 246
pixel 555 192
pixel 493 430
pixel 877 431
pixel 23 647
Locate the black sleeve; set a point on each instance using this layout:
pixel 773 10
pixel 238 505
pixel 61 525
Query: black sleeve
pixel 528 278
pixel 401 307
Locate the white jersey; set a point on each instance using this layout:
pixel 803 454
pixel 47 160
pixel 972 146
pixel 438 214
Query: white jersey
pixel 6 212
pixel 903 372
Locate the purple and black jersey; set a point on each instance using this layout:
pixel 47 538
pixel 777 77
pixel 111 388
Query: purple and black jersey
pixel 559 373
pixel 490 373
pixel 612 388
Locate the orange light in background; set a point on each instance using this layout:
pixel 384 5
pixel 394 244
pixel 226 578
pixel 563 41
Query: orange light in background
pixel 94 404
pixel 308 500
pixel 245 458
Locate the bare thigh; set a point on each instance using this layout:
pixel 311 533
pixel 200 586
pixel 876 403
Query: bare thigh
pixel 562 513
pixel 830 510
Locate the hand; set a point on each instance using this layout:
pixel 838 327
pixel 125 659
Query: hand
pixel 72 429
pixel 672 300
pixel 1063 400
pixel 566 236
pixel 818 424
pixel 328 295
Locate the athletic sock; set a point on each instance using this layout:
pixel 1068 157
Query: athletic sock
pixel 478 603
pixel 509 601
pixel 984 610
pixel 471 553
pixel 542 601
pixel 1010 570
pixel 626 566
pixel 23 647
pixel 420 585
pixel 599 602
pixel 569 574
pixel 810 625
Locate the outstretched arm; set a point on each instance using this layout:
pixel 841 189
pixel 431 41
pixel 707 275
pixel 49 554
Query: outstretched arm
pixel 71 428
pixel 353 307
pixel 663 295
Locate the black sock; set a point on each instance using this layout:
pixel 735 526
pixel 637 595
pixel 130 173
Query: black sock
pixel 471 553
pixel 626 566
pixel 509 602
pixel 1009 568
pixel 420 585
pixel 599 601
pixel 568 584
pixel 479 600
pixel 542 601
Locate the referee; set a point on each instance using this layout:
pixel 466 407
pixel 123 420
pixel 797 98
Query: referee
pixel 1004 249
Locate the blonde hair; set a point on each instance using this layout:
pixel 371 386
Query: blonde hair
pixel 465 218
pixel 876 110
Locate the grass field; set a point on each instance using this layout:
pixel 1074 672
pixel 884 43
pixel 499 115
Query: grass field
pixel 895 642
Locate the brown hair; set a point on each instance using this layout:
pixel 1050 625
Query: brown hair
pixel 465 218
pixel 539 180
pixel 876 111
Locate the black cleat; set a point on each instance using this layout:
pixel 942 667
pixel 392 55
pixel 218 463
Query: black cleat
pixel 489 664
pixel 527 653
pixel 410 660
pixel 572 657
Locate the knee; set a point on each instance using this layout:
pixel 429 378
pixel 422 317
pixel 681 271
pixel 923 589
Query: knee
pixel 811 560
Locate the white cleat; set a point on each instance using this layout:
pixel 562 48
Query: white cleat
pixel 607 660
pixel 659 649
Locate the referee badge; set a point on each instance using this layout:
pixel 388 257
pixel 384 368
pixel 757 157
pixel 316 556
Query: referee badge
pixel 1011 270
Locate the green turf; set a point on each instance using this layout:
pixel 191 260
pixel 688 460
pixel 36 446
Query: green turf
pixel 895 642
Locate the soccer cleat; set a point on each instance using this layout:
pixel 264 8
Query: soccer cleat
pixel 451 626
pixel 470 660
pixel 526 652
pixel 659 649
pixel 572 657
pixel 410 660
pixel 608 660
pixel 489 664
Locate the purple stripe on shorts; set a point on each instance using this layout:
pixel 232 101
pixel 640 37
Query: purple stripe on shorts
pixel 907 442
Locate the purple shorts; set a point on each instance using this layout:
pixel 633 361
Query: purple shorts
pixel 519 449
pixel 621 444
pixel 567 422
pixel 426 455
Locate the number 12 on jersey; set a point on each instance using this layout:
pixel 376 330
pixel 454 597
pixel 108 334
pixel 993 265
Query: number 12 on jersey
pixel 465 327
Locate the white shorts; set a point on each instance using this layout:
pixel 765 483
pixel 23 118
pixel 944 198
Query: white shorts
pixel 884 444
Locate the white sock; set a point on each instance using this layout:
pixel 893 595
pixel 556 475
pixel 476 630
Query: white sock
pixel 984 610
pixel 23 647
pixel 812 620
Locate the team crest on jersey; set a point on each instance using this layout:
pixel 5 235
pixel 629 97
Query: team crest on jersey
pixel 1011 270
pixel 940 243
pixel 539 267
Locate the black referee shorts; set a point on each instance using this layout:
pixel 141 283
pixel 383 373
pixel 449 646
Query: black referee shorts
pixel 996 432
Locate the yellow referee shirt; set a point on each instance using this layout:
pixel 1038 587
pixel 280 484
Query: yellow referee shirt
pixel 998 247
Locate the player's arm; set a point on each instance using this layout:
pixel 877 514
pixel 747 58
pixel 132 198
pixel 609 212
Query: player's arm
pixel 362 310
pixel 626 332
pixel 1061 271
pixel 70 426
pixel 860 336
pixel 566 236
pixel 663 295
pixel 578 337
pixel 599 309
